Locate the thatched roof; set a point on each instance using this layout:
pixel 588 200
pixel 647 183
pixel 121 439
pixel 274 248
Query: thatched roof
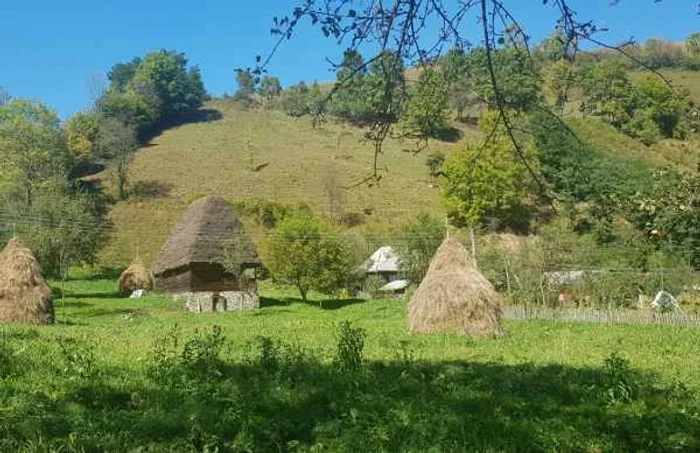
pixel 134 277
pixel 455 297
pixel 384 259
pixel 208 232
pixel 24 295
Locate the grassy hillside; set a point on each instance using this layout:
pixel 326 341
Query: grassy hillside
pixel 214 157
pixel 298 162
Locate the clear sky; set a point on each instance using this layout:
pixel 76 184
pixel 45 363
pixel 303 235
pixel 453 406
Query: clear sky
pixel 50 49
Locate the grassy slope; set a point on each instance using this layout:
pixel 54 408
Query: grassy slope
pixel 542 388
pixel 197 159
pixel 210 158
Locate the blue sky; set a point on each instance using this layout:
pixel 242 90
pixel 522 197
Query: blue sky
pixel 49 50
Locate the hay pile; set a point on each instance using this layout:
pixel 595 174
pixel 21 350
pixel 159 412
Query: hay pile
pixel 24 295
pixel 455 297
pixel 134 277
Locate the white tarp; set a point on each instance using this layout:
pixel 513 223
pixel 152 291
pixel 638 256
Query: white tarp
pixel 396 285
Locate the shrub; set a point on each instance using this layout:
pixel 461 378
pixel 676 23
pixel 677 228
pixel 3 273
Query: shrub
pixel 302 252
pixel 68 232
pixel 418 242
pixel 488 181
pixel 351 342
pixel 434 162
pixel 620 381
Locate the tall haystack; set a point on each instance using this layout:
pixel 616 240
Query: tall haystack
pixel 455 297
pixel 24 295
pixel 134 277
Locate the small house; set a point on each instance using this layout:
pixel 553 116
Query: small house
pixel 208 260
pixel 384 262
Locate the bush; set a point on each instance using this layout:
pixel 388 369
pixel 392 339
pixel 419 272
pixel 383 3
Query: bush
pixel 61 229
pixel 434 162
pixel 620 381
pixel 418 242
pixel 302 252
pixel 351 342
pixel 268 213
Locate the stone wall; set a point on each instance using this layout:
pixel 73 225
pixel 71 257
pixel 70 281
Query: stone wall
pixel 200 302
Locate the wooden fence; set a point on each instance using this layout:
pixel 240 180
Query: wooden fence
pixel 618 316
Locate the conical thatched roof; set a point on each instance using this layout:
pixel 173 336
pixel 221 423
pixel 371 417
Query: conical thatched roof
pixel 134 277
pixel 455 297
pixel 384 259
pixel 24 295
pixel 206 233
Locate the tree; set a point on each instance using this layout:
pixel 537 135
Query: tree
pixel 270 87
pixel 692 45
pixel 660 103
pixel 434 162
pixel 461 94
pixel 302 252
pixel 556 47
pixel 516 75
pixel 4 96
pixel 670 215
pixel 295 100
pixel 402 27
pixel 559 79
pixel 117 142
pixel 657 53
pixel 156 90
pixel 82 130
pixel 121 74
pixel 487 181
pixel 348 102
pixel 426 112
pixel 246 83
pixel 32 146
pixel 130 107
pixel 606 91
pixel 61 228
pixel 180 90
pixel 417 244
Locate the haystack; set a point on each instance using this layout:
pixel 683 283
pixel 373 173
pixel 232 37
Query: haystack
pixel 455 297
pixel 135 277
pixel 24 295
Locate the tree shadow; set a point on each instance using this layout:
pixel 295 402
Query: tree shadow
pixel 202 115
pixel 95 295
pixel 450 135
pixel 72 304
pixel 85 169
pixel 100 312
pixel 148 190
pixel 266 302
pixel 101 273
pixel 282 401
pixel 326 304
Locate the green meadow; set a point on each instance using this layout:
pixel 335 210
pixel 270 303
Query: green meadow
pixel 144 375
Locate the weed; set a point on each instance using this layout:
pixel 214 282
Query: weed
pixel 78 358
pixel 6 358
pixel 351 342
pixel 201 351
pixel 620 380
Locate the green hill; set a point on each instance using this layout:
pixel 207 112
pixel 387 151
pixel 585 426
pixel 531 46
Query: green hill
pixel 299 163
pixel 247 154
